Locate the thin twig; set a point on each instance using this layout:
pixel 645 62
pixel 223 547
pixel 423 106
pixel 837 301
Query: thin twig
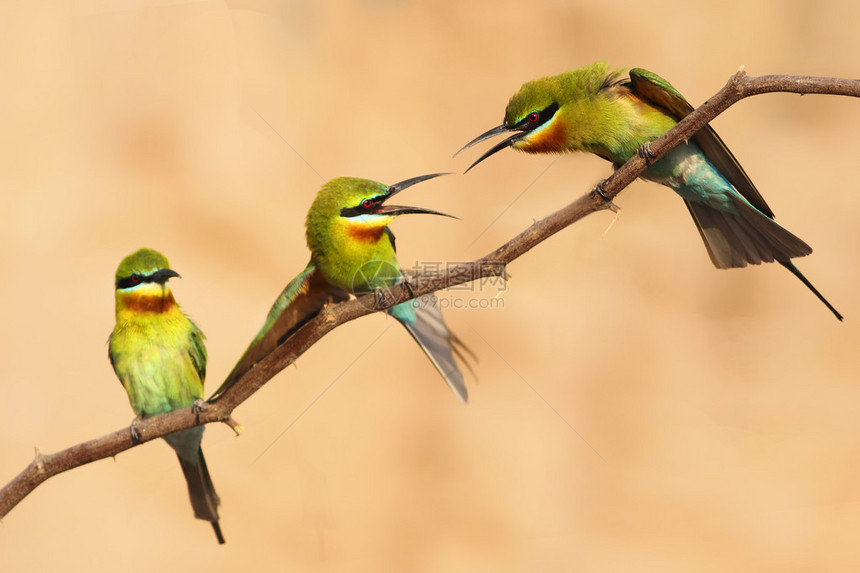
pixel 739 87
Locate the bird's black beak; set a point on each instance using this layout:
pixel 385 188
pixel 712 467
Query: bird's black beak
pixel 398 210
pixel 398 187
pixel 161 276
pixel 496 148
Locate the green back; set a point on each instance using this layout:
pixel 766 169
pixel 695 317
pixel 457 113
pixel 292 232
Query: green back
pixel 300 301
pixel 651 87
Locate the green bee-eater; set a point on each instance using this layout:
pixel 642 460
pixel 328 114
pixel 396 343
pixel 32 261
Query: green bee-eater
pixel 159 356
pixel 352 252
pixel 609 114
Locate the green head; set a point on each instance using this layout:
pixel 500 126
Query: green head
pixel 141 282
pixel 535 103
pixel 536 112
pixel 143 266
pixel 349 207
pixel 347 226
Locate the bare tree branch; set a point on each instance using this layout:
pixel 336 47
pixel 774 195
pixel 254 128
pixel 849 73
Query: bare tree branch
pixel 738 87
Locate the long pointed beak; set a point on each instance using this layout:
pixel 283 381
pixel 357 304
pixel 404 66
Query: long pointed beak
pixel 162 275
pixel 399 210
pixel 496 148
pixel 398 187
pixel 487 135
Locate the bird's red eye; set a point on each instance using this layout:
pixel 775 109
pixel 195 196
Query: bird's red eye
pixel 135 278
pixel 533 117
pixel 366 203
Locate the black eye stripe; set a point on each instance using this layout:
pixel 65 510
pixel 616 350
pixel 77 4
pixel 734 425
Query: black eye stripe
pixel 160 276
pixel 530 122
pixel 135 279
pixel 365 207
pixel 132 280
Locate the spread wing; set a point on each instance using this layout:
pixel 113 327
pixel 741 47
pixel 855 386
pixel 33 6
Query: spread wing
pixel 301 300
pixel 659 92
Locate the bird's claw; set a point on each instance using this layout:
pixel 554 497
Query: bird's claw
pixel 198 406
pixel 607 200
pixel 136 437
pixel 646 153
pixel 598 188
pixel 379 293
pixel 407 285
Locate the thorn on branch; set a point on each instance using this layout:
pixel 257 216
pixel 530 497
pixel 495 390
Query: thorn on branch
pixel 38 460
pixel 737 80
pixel 617 210
pixel 235 425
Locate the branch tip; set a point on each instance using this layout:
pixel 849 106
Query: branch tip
pixel 737 81
pixel 235 425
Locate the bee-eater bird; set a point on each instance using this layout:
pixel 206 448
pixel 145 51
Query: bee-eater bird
pixel 159 356
pixel 353 252
pixel 609 114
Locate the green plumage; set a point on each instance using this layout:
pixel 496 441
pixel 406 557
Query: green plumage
pixel 159 356
pixel 353 252
pixel 351 263
pixel 600 111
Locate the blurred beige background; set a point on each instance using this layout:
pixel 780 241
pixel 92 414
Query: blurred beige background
pixel 724 403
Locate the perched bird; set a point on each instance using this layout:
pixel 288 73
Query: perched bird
pixel 159 356
pixel 604 112
pixel 353 252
